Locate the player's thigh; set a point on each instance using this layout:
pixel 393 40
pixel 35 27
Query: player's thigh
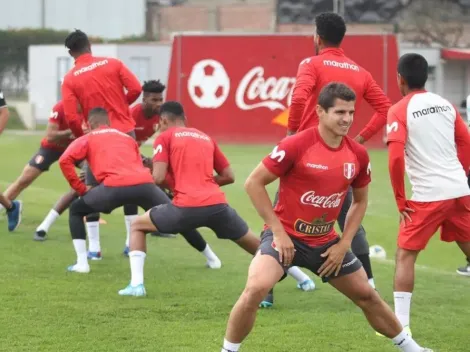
pixel 315 260
pixel 354 285
pixel 168 218
pixel 456 228
pixel 225 222
pixel 426 219
pixel 43 159
pixel 264 272
pixel 101 199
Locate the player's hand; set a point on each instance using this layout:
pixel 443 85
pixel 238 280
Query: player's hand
pixel 284 246
pixel 334 259
pixel 405 216
pixel 359 139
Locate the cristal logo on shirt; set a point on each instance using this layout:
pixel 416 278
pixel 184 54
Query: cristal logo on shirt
pixel 331 201
pixel 317 227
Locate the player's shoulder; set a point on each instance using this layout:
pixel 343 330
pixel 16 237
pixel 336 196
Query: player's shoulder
pixel 358 149
pixel 59 107
pixel 400 107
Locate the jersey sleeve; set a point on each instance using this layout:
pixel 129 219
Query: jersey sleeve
pixel 161 148
pixel 57 114
pixel 3 102
pixel 283 157
pixel 363 177
pixel 462 142
pixel 70 102
pixel 304 84
pixel 376 98
pixel 76 152
pixel 220 160
pixel 396 126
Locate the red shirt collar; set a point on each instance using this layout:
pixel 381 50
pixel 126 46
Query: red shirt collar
pixel 337 51
pixel 83 58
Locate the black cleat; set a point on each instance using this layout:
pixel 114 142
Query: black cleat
pixel 40 235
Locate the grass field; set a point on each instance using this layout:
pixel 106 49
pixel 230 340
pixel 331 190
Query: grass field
pixel 44 308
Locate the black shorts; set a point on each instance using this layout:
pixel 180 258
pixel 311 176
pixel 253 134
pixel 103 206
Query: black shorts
pixel 309 257
pixel 105 199
pixel 90 179
pixel 44 158
pixel 220 218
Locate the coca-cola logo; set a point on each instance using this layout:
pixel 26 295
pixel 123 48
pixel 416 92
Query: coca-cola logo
pixel 318 201
pixel 256 91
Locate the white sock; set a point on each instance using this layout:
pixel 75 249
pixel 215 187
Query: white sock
pixel 372 283
pixel 1 207
pixel 209 254
pixel 48 221
pixel 137 260
pixel 80 249
pixel 93 231
pixel 230 347
pixel 402 307
pixel 128 220
pixel 406 343
pixel 298 274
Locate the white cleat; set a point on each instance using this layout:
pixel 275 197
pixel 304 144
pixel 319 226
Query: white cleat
pixel 79 269
pixel 214 264
pixel 135 291
pixel 307 285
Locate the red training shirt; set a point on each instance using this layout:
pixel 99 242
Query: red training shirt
pixel 331 65
pixel 112 156
pixel 314 180
pixel 58 117
pixel 144 126
pixel 100 82
pixel 192 157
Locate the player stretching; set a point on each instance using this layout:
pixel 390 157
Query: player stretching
pixel 437 160
pixel 97 82
pixel 300 229
pixel 13 208
pixel 189 157
pixel 314 73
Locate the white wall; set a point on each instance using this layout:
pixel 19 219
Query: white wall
pixel 110 19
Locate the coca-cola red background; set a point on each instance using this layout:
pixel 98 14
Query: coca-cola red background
pixel 279 56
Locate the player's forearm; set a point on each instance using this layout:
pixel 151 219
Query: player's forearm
pixel 56 136
pixel 75 126
pixel 396 166
pixel 375 125
pixel 353 220
pixel 260 199
pixel 296 111
pixel 4 115
pixel 68 169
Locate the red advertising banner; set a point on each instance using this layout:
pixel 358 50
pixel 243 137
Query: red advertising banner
pixel 237 88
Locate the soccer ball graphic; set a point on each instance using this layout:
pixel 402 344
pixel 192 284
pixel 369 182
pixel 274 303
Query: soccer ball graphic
pixel 377 251
pixel 208 84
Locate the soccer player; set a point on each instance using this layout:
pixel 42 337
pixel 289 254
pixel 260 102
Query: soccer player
pixel 187 158
pixel 97 82
pixel 437 161
pixel 314 73
pixel 300 229
pixel 122 178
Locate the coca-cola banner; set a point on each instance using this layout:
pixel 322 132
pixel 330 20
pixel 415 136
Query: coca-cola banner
pixel 237 88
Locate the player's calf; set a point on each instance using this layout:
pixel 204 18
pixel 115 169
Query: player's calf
pixel 27 177
pixel 78 210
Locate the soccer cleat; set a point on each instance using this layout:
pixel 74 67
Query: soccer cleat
pixel 126 251
pixel 14 215
pixel 136 291
pixel 40 235
pixel 307 285
pixel 406 328
pixel 214 264
pixel 94 256
pixel 268 301
pixel 79 269
pixel 464 270
pixel 427 350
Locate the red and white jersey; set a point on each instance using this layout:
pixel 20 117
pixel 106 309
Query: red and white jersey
pixel 314 180
pixel 430 128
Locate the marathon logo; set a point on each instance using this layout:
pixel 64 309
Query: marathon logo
pixel 432 110
pixel 192 134
pixel 90 67
pixel 343 65
pixel 317 227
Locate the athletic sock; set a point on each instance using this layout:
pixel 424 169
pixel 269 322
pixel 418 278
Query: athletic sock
pixel 402 307
pixel 80 250
pixel 230 347
pixel 128 220
pixel 93 231
pixel 298 274
pixel 50 218
pixel 406 343
pixel 137 260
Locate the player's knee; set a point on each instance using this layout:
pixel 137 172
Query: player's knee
pixel 366 297
pixel 405 256
pixel 140 225
pixel 254 292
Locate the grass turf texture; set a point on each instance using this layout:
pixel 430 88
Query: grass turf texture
pixel 43 308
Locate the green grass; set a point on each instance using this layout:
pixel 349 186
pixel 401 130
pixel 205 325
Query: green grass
pixel 43 308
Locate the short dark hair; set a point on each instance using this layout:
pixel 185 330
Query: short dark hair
pixel 330 27
pixel 414 70
pixel 77 41
pixel 98 116
pixel 173 110
pixel 153 86
pixel 333 91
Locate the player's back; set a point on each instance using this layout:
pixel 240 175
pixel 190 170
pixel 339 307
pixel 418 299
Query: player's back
pixel 114 158
pixel 431 158
pixel 332 66
pixel 97 82
pixel 192 167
